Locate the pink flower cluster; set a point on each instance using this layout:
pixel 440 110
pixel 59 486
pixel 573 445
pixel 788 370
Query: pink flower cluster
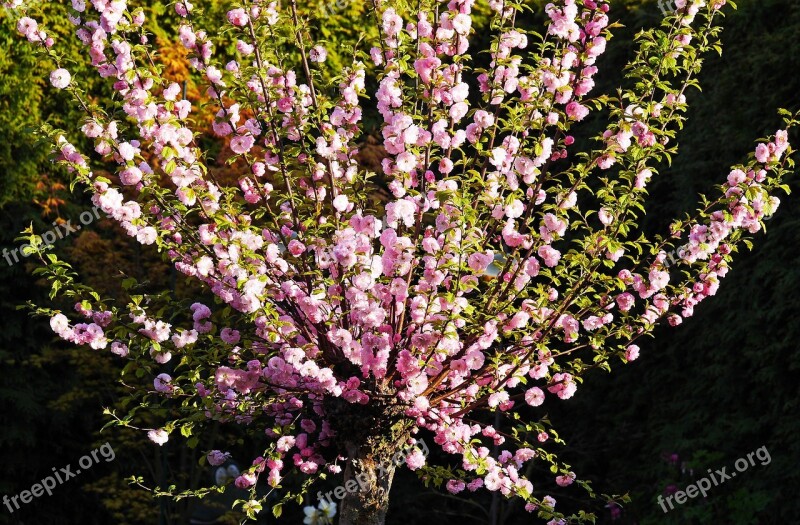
pixel 91 334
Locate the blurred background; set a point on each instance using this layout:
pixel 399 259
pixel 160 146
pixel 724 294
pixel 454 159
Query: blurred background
pixel 702 395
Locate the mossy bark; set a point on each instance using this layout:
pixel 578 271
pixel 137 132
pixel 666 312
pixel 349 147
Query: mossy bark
pixel 372 438
pixel 370 470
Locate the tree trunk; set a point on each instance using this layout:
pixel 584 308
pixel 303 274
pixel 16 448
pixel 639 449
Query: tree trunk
pixel 368 480
pixel 374 440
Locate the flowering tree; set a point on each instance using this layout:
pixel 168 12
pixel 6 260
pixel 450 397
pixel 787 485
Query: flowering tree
pixel 506 265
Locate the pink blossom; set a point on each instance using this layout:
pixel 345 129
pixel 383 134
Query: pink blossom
pixel 318 54
pixel 498 398
pixel 549 255
pixel 130 176
pixel 406 162
pixel 214 75
pixel 415 460
pixel 401 210
pixel 119 349
pixel 162 383
pixel 493 481
pixel 160 357
pixel 60 78
pixel 59 323
pixel 245 480
pixel 217 457
pixel 565 480
pixel 563 385
pixel 392 23
pixel 475 484
pixel 156 330
pixel 296 247
pixel 576 111
pixel 238 17
pixel 514 209
pixel 158 436
pixel 147 235
pixel 241 144
pixel 274 478
pixel 184 338
pixel 606 216
pixel 341 203
pixel 625 301
pixel 127 150
pixel 534 396
pixel 285 443
pixel 478 262
pixel 454 486
pixel 642 178
pixel 244 48
pixel 230 336
pixel 483 118
pixel 27 25
pixel 555 225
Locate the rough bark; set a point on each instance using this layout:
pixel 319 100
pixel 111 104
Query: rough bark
pixel 371 468
pixel 372 438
